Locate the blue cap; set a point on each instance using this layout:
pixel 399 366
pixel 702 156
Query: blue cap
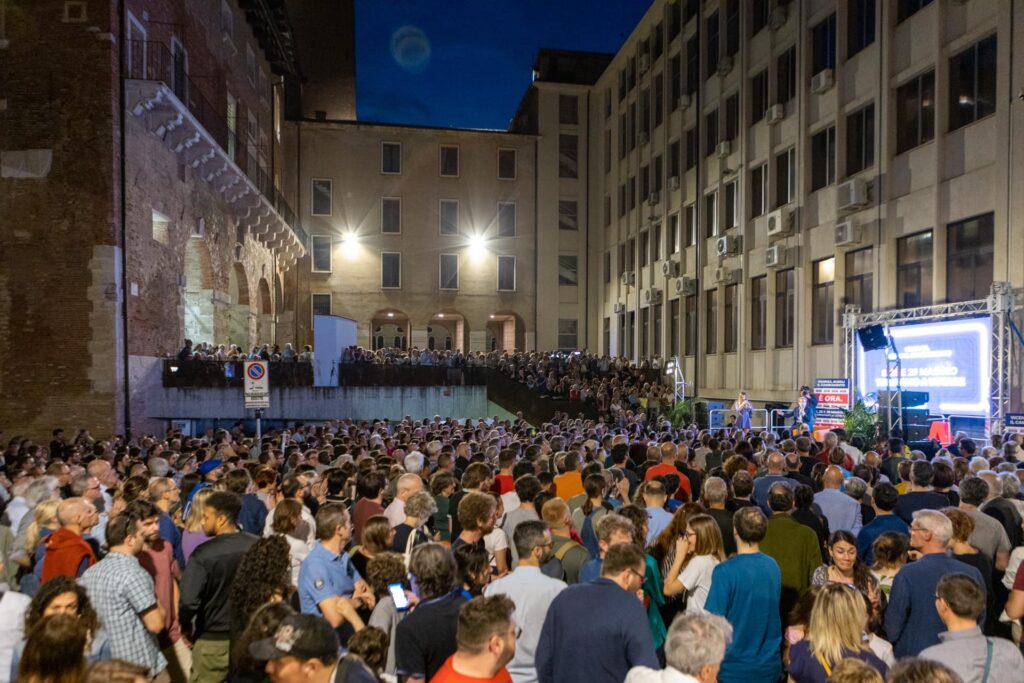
pixel 209 466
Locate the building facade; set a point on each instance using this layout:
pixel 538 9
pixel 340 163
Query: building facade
pixel 425 237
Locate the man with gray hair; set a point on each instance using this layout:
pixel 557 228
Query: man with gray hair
pixel 715 493
pixel 694 650
pixel 911 621
pixel 776 464
pixel 406 485
pixel 989 536
pixel 1002 510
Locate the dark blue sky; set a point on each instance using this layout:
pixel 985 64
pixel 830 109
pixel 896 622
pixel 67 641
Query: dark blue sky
pixel 467 63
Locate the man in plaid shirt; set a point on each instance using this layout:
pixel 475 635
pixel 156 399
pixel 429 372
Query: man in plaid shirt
pixel 122 593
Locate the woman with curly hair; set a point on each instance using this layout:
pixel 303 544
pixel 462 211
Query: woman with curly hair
pixel 383 570
pixel 63 595
pixel 266 574
pixel 54 651
pixel 262 624
pixel 287 518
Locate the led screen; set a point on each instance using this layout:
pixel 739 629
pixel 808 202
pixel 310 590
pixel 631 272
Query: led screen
pixel 948 359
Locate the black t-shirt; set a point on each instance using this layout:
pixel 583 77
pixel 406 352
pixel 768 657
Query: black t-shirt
pixel 425 638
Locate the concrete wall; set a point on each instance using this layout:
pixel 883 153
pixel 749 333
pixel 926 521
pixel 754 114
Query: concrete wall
pixel 308 403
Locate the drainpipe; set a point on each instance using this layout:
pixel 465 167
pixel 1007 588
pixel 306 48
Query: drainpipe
pixel 698 206
pixel 123 211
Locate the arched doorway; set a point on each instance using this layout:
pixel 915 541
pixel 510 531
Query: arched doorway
pixel 389 329
pixel 266 314
pixel 505 332
pixel 447 331
pixel 240 330
pixel 198 311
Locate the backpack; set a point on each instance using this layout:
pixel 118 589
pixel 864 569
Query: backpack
pixel 589 534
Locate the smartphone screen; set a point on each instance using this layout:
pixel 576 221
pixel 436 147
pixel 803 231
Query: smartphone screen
pixel 399 596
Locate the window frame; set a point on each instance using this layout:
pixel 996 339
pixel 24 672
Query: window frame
pixel 515 218
pixel 576 270
pixel 860 127
pixel 785 309
pixel 386 200
pixel 904 141
pixel 383 145
pixel 505 257
pixel 440 271
pixel 957 118
pixel 440 160
pixel 575 333
pixel 825 317
pixel 916 268
pixel 515 163
pixel 977 253
pixel 441 203
pixel 390 253
pixel 759 313
pixel 828 134
pixel 312 303
pixel 330 196
pixel 862 282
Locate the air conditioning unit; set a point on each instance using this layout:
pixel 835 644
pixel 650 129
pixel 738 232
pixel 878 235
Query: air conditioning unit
pixel 628 278
pixel 780 223
pixel 777 18
pixel 822 81
pixel 684 101
pixel 724 149
pixel 727 245
pixel 846 234
pixel 725 65
pixel 670 268
pixel 652 296
pixel 725 276
pixel 852 195
pixel 642 137
pixel 686 286
pixel 775 256
pixel 776 113
pixel 673 182
pixel 619 308
pixel 645 63
pixel 653 198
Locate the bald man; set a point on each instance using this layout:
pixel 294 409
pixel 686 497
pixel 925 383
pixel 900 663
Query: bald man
pixel 668 454
pixel 65 552
pixel 776 464
pixel 842 511
pixel 406 485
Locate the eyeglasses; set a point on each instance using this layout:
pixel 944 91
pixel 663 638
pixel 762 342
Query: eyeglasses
pixel 641 576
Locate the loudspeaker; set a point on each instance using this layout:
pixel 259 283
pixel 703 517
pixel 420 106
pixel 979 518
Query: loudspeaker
pixel 872 337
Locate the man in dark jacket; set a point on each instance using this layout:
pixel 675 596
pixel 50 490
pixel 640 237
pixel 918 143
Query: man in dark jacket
pixel 253 515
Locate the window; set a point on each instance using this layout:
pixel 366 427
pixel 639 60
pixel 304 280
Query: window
pixel 161 227
pixel 320 248
pixel 656 243
pixel 731 311
pixel 915 112
pixel 645 111
pixel 391 157
pixel 606 334
pixel 506 219
pixel 732 218
pixel 645 247
pixel 673 328
pixel 675 81
pixel 622 200
pixel 568 274
pixel 692 65
pixel 759 10
pixel 711 321
pixel 607 211
pixel 607 267
pixel 906 8
pixel 633 120
pixel 608 103
pixel 449 161
pixel 784 308
pixel 759 190
pixel 250 65
pixel 758 312
pixel 914 270
pixel 672 20
pixel 711 214
pixel 506 273
pixel 823 158
pixel 321 197
pixel 321 304
pixel 227 21
pixel 860 139
pixel 391 215
pixel 673 234
pixel 657 42
pixel 567 214
pixel 859 276
pixel 732 27
pixel 568 156
pixel 645 325
pixel 136 47
pixel 692 148
pixel 785 177
pixel 645 181
pixel 632 193
pixel 179 69
pixel 690 226
pixel 732 117
pixel 710 132
pixel 449 213
pixel 656 313
pixel 785 76
pixel 969 258
pixel 823 311
pixel 690 325
pixel 972 83
pixel 506 164
pixel 232 120
pixel 658 178
pixel 449 271
pixel 567 337
pixel 860 25
pixel 390 270
pixel 711 56
pixel 823 45
pixel 659 99
pixel 568 110
pixel 758 96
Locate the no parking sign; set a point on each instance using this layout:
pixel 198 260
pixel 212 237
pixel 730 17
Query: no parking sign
pixel 257 385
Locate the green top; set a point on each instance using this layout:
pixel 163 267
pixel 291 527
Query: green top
pixel 794 547
pixel 440 519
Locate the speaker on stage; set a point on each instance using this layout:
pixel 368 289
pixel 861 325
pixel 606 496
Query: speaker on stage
pixel 872 337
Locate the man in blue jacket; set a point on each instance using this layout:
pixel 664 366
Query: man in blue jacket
pixel 911 621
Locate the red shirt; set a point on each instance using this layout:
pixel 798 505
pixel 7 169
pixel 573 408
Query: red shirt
pixel 448 674
pixel 362 511
pixel 503 483
pixel 663 469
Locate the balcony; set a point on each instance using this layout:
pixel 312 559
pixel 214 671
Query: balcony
pixel 172 107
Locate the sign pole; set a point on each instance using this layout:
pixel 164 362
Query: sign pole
pixel 256 385
pixel 259 432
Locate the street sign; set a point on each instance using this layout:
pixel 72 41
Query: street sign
pixel 257 385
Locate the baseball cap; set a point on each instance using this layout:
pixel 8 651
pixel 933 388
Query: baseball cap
pixel 303 636
pixel 209 466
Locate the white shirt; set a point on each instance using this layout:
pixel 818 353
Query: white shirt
pixel 16 509
pixel 696 577
pixel 395 512
pixel 12 628
pixel 495 541
pixel 297 551
pixel 532 593
pixel 641 674
pixel 309 532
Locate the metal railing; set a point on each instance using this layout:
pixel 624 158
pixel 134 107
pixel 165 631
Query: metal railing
pixel 754 424
pixel 150 60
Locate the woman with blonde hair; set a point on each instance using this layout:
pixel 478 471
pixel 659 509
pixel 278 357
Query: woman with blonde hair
pixel 698 552
pixel 193 536
pixel 836 632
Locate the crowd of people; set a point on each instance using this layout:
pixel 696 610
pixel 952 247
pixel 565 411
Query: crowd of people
pixel 485 550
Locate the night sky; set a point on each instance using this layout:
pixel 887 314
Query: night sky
pixel 467 63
